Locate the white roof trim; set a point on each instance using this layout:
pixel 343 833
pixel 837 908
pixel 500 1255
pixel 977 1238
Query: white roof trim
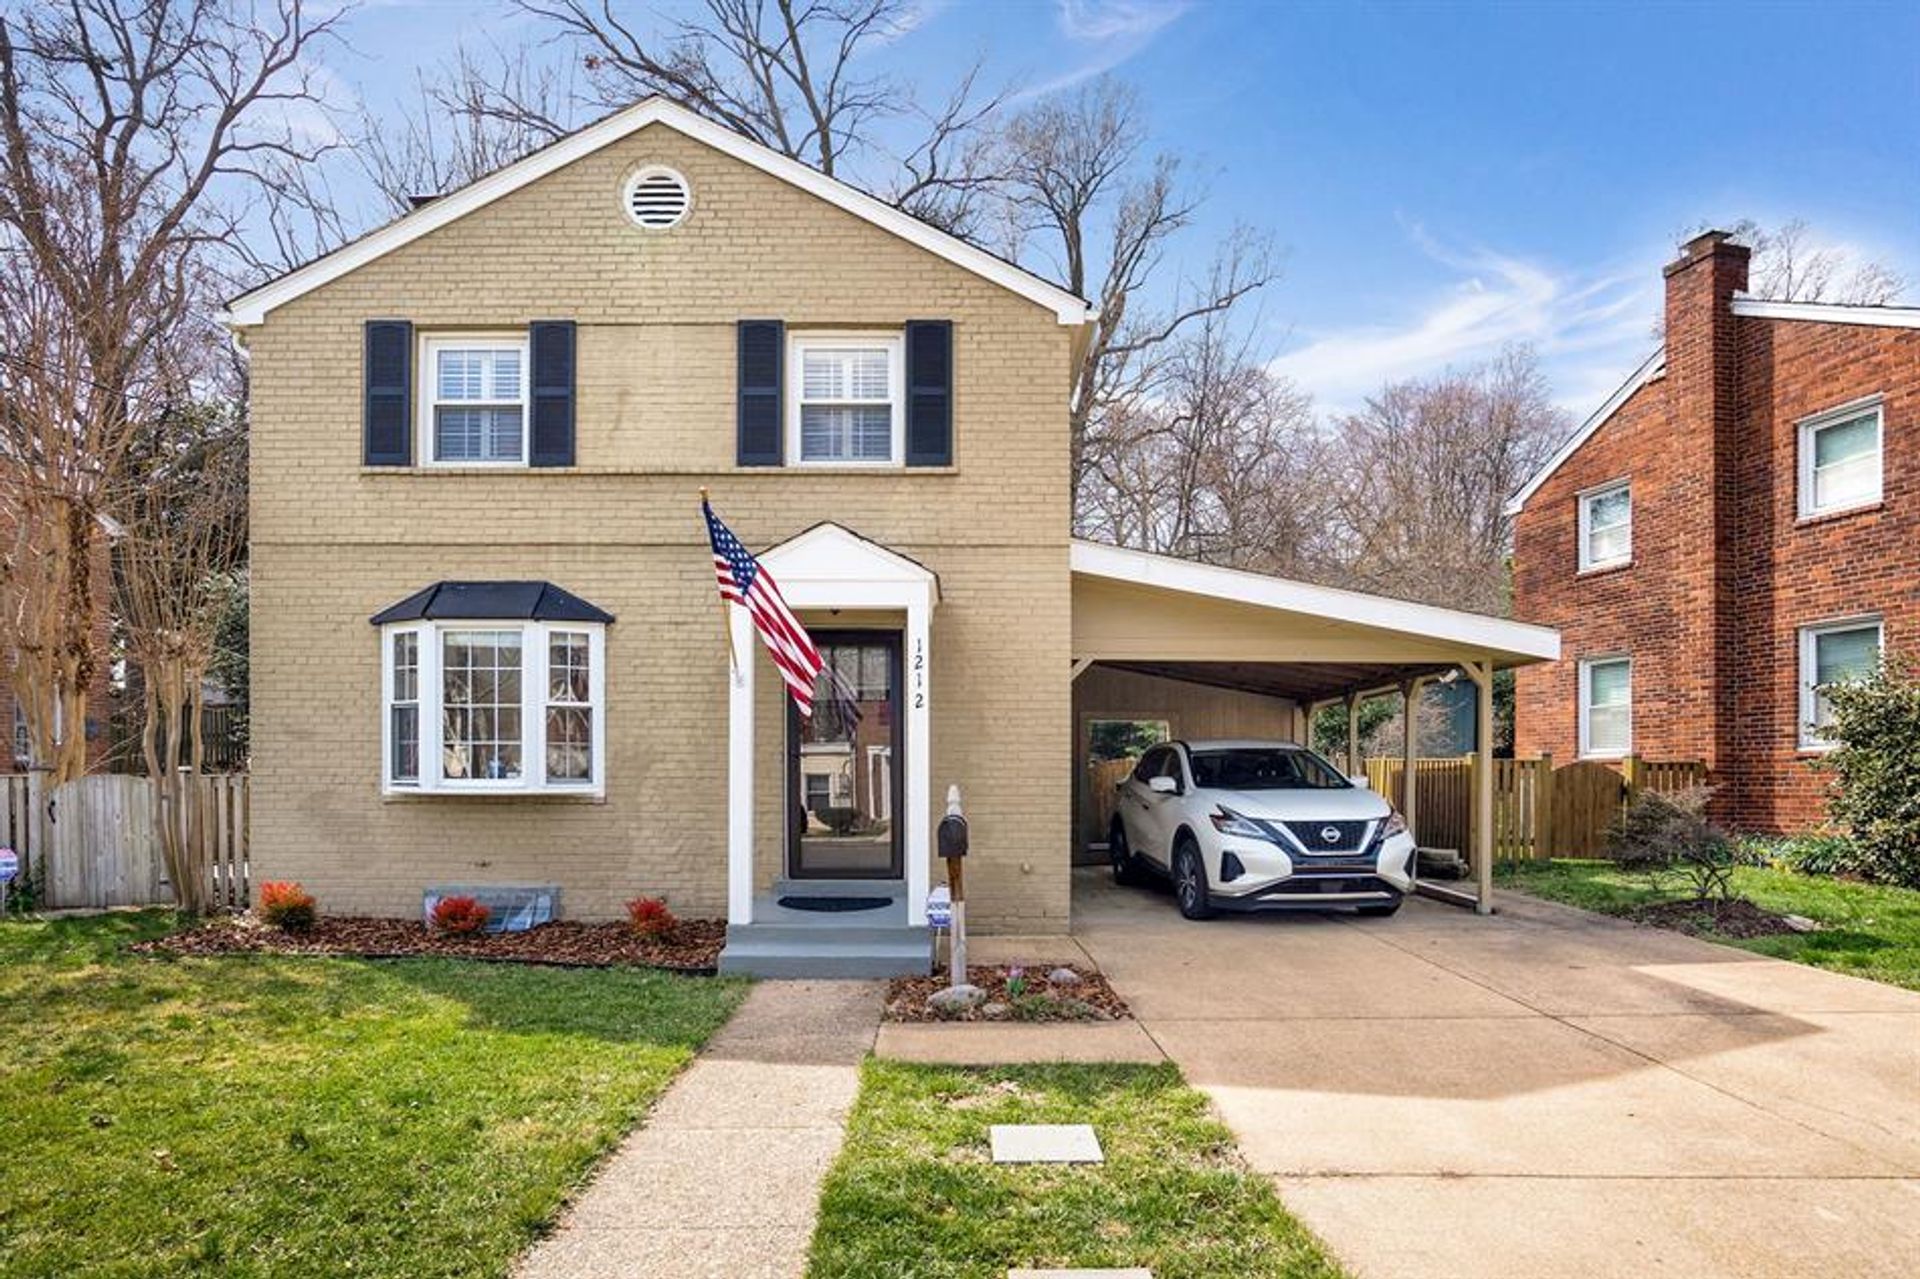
pixel 1164 572
pixel 1898 317
pixel 251 308
pixel 1654 367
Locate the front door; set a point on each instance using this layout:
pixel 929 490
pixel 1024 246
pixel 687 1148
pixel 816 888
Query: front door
pixel 843 763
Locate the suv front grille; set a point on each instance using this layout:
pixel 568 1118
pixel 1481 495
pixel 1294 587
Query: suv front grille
pixel 1313 836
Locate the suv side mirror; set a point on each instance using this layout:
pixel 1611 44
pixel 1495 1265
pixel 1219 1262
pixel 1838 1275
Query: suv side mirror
pixel 1359 779
pixel 1163 785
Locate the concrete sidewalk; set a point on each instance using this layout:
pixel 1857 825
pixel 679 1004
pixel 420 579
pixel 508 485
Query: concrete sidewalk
pixel 723 1180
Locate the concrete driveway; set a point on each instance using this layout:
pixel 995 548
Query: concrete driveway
pixel 1543 1093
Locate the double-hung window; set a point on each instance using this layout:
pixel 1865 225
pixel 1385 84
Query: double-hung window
pixel 479 706
pixel 1840 454
pixel 1606 707
pixel 845 406
pixel 473 403
pixel 1833 653
pixel 1606 527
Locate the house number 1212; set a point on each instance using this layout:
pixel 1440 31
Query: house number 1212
pixel 919 673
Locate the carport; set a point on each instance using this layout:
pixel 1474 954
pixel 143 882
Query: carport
pixel 1219 652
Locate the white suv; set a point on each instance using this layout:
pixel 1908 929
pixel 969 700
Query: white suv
pixel 1243 825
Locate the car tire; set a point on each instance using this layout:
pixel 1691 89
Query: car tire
pixel 1190 880
pixel 1381 912
pixel 1126 867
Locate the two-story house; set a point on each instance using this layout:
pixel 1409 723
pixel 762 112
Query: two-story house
pixel 488 648
pixel 1737 527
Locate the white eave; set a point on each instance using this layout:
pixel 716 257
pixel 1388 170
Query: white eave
pixel 1897 317
pixel 1654 367
pixel 252 308
pixel 1474 631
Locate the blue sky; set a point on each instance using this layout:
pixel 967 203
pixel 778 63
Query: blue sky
pixel 1443 178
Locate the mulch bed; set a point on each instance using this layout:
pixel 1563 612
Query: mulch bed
pixel 1737 918
pixel 692 947
pixel 1089 999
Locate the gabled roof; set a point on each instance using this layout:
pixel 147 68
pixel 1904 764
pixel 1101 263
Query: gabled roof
pixel 1655 366
pixel 251 308
pixel 492 602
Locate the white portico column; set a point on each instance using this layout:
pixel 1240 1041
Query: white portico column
pixel 740 769
pixel 917 668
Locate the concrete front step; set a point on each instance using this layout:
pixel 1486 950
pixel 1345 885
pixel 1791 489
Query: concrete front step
pixel 909 954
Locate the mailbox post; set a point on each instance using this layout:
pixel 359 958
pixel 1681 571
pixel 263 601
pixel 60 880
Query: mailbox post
pixel 952 841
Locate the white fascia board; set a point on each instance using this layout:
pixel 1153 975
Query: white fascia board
pixel 1164 572
pixel 1652 368
pixel 1897 317
pixel 251 308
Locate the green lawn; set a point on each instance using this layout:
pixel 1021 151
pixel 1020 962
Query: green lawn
pixel 915 1195
pixel 1869 930
pixel 257 1116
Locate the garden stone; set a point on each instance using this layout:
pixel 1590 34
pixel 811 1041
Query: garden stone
pixel 956 999
pixel 995 1011
pixel 1800 923
pixel 1064 977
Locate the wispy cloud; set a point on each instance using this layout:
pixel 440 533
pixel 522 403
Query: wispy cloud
pixel 1587 326
pixel 1106 33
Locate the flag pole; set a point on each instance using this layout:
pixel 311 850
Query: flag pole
pixel 726 616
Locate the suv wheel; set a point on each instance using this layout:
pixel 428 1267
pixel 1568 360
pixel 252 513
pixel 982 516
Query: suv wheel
pixel 1190 880
pixel 1126 867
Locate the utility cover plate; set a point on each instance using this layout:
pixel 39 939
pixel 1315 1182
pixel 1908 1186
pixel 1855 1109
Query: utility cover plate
pixel 1046 1144
pixel 1131 1272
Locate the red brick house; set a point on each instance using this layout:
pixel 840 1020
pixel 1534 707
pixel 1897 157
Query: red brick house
pixel 1736 526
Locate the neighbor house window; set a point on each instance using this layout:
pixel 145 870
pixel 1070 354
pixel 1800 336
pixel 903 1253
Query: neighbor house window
pixel 1840 458
pixel 1832 654
pixel 474 400
pixel 1606 707
pixel 1606 527
pixel 846 403
pixel 494 706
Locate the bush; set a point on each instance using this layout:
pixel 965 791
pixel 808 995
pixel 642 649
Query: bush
pixel 1876 770
pixel 1669 831
pixel 649 917
pixel 1810 853
pixel 460 914
pixel 286 906
pixel 839 820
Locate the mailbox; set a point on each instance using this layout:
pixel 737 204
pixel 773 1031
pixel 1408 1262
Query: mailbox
pixel 952 836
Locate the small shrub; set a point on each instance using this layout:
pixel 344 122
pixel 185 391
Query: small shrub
pixel 649 917
pixel 839 820
pixel 1809 853
pixel 286 906
pixel 1669 831
pixel 1876 769
pixel 460 914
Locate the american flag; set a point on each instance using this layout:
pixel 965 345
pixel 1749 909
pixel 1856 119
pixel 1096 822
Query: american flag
pixel 743 581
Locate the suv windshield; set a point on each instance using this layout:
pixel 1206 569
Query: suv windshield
pixel 1263 768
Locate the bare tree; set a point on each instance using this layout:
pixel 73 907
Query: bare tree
pixel 124 126
pixel 1790 265
pixel 1428 467
pixel 1077 179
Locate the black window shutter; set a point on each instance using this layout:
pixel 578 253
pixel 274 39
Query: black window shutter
pixel 386 378
pixel 762 352
pixel 929 393
pixel 551 354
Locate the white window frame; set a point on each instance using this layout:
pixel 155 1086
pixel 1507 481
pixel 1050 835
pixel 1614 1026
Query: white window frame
pixel 798 343
pixel 533 710
pixel 1587 664
pixel 1810 427
pixel 1807 735
pixel 427 390
pixel 1587 498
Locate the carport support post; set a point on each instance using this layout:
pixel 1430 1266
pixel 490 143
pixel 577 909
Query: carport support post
pixel 1354 766
pixel 1481 673
pixel 1410 762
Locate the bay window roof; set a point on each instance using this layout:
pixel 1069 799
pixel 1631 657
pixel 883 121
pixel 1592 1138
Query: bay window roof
pixel 492 602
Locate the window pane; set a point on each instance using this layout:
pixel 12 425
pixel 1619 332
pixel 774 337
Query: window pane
pixel 459 376
pixel 567 667
pixel 846 373
pixel 1608 683
pixel 823 376
pixel 406 666
pixel 851 434
pixel 1844 441
pixel 481 705
pixel 1608 544
pixel 476 435
pixel 867 374
pixel 1607 728
pixel 1607 510
pixel 1857 479
pixel 406 743
pixel 1839 656
pixel 506 374
pixel 569 744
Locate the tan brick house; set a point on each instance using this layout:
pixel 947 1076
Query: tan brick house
pixel 1738 525
pixel 483 429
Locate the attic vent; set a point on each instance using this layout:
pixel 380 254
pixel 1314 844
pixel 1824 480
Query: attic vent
pixel 656 198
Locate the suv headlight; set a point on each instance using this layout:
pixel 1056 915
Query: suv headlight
pixel 1228 822
pixel 1394 825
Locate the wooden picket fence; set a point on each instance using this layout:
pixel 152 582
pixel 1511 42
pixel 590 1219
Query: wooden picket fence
pixel 96 842
pixel 1539 810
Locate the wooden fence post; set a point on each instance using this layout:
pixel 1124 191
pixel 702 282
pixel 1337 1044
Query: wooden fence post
pixel 1543 806
pixel 1631 772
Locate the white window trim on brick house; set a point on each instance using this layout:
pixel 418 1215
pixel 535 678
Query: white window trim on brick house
pixel 1586 703
pixel 1808 735
pixel 428 346
pixel 1586 500
pixel 1809 428
pixel 798 344
pixel 534 704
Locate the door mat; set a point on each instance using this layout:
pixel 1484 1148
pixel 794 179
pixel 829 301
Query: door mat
pixel 835 903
